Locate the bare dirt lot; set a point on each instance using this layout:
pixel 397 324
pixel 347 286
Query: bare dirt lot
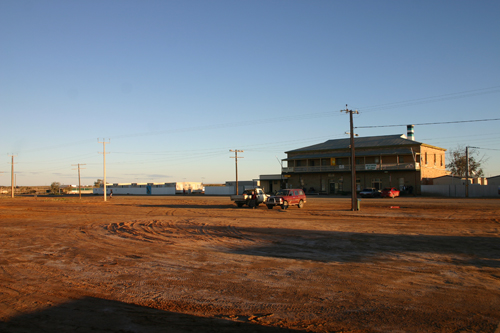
pixel 199 264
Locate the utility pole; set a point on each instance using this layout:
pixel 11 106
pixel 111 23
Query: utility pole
pixel 354 199
pixel 281 173
pixel 236 151
pixel 79 184
pixel 467 170
pixel 12 177
pixel 104 163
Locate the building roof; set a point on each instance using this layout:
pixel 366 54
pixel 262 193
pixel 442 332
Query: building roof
pixel 401 151
pixel 271 177
pixel 361 143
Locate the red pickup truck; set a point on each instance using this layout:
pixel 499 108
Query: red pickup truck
pixel 286 198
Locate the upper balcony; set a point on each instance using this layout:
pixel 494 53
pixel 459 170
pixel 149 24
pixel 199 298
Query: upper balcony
pixel 359 167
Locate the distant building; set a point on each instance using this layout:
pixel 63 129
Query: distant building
pixel 447 180
pixel 151 188
pixel 243 185
pixel 495 180
pixel 271 183
pixel 381 161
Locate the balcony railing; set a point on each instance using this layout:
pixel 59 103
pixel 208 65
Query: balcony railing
pixel 359 167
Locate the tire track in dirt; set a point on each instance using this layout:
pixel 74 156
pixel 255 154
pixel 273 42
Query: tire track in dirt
pixel 170 212
pixel 227 236
pixel 170 232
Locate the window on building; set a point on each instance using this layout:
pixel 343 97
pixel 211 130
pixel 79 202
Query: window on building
pixel 435 160
pixel 426 158
pixel 441 157
pixel 401 159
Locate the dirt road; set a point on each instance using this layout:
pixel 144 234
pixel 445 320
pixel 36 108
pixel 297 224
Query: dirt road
pixel 199 264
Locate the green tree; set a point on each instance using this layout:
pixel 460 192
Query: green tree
pixel 54 188
pixel 458 163
pixel 98 183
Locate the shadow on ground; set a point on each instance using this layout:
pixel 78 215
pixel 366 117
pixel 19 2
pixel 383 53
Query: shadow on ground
pixel 190 206
pixel 479 251
pixel 99 315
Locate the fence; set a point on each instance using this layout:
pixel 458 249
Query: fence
pixel 458 191
pixel 220 190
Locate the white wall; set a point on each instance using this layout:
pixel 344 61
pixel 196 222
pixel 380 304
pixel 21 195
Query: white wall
pixel 494 180
pixel 220 190
pixel 447 180
pixel 194 186
pixel 458 191
pixel 136 190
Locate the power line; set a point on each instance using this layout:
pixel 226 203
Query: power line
pixel 485 148
pixel 433 99
pixel 433 123
pixel 301 116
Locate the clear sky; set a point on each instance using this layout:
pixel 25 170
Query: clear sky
pixel 174 85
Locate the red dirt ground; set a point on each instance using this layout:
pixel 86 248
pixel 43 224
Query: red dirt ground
pixel 199 264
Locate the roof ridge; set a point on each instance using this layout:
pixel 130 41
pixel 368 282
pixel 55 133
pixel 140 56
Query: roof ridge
pixel 361 142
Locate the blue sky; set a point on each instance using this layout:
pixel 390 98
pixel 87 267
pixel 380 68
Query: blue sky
pixel 174 85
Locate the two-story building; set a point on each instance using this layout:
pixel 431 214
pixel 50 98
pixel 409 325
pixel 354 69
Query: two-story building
pixel 381 161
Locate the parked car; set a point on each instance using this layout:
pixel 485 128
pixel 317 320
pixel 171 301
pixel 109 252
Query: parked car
pixel 286 198
pixel 369 193
pixel 390 192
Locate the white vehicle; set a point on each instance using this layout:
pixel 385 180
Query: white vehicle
pixel 246 197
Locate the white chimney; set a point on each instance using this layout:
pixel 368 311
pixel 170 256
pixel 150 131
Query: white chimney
pixel 410 132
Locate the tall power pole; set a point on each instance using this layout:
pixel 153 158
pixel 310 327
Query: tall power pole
pixel 236 151
pixel 104 163
pixel 354 199
pixel 12 177
pixel 79 183
pixel 467 170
